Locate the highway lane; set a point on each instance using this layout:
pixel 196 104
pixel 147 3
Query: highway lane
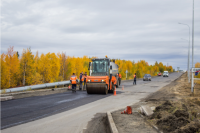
pixel 71 111
pixel 23 110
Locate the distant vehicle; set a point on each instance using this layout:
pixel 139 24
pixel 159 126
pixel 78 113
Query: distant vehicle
pixel 166 74
pixel 159 74
pixel 147 77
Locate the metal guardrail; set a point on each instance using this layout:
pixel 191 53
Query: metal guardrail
pixel 33 87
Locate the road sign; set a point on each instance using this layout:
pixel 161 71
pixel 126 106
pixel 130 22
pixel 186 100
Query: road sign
pixel 196 73
pixel 195 69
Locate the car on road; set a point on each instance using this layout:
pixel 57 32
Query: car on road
pixel 147 77
pixel 166 74
pixel 159 74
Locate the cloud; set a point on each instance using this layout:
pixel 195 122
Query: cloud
pixel 131 30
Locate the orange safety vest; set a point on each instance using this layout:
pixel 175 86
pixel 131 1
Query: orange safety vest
pixel 73 79
pixel 82 78
pixel 120 75
pixel 134 76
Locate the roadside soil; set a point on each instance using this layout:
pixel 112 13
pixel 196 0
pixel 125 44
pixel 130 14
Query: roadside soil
pixel 177 110
pixel 98 124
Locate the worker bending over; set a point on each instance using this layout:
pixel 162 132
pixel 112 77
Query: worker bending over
pixel 73 81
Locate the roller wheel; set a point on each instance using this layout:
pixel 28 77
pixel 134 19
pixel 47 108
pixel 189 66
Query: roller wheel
pixel 106 90
pixel 88 92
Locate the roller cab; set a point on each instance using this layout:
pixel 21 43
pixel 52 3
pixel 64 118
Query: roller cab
pixel 103 76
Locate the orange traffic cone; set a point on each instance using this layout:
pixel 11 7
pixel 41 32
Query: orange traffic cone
pixel 115 91
pixel 69 87
pixel 124 112
pixel 122 87
pixel 129 110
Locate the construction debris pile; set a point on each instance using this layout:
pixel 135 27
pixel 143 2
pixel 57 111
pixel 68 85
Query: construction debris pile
pixel 176 117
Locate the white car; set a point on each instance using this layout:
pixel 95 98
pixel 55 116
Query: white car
pixel 165 74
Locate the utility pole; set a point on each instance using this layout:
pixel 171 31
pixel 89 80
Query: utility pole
pixel 192 84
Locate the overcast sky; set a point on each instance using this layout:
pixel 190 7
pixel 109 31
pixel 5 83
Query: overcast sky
pixel 124 29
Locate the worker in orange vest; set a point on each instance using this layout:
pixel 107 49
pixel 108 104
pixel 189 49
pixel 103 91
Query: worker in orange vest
pixel 73 81
pixel 82 80
pixel 85 77
pixel 134 76
pixel 120 77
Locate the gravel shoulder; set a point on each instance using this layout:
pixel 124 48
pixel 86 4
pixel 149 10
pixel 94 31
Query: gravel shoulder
pixel 132 123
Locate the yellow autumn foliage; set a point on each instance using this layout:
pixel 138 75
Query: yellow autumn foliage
pixel 140 68
pixel 30 69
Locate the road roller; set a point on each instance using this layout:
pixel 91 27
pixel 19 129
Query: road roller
pixel 103 76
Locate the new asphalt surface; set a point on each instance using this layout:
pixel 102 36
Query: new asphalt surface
pixel 15 112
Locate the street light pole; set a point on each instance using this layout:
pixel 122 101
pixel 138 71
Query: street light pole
pixel 193 36
pixel 192 85
pixel 188 53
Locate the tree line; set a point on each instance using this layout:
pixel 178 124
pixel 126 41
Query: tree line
pixel 29 69
pixel 140 68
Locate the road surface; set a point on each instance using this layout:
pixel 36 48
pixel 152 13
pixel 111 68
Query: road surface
pixel 70 112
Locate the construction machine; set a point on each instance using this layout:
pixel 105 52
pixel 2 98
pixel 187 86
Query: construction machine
pixel 103 76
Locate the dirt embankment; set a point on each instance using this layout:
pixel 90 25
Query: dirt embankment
pixel 177 109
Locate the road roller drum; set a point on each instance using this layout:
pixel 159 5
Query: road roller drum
pixel 97 88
